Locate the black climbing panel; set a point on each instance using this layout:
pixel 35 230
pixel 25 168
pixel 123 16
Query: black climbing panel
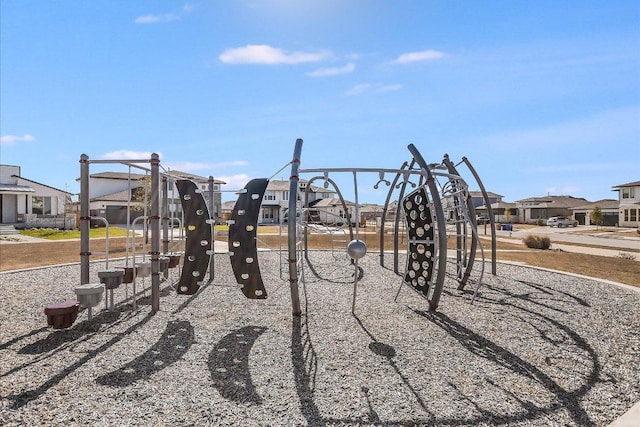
pixel 199 237
pixel 242 239
pixel 421 251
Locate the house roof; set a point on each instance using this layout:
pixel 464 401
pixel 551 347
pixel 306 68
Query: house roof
pixel 554 201
pixel 602 204
pixel 39 183
pixel 629 184
pixel 333 201
pixel 498 205
pixel 118 196
pixel 15 188
pixel 192 177
pixel 118 175
pixel 489 194
pixel 139 176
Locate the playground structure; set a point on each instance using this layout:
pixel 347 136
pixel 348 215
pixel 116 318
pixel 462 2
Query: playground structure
pixel 436 207
pixel 427 212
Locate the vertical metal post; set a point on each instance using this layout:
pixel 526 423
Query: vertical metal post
pixel 85 219
pixel 212 218
pixel 155 233
pixel 165 215
pixel 291 227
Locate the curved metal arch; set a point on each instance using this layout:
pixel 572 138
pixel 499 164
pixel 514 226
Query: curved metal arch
pixel 405 181
pixel 383 218
pixel 440 221
pixel 342 201
pixel 462 279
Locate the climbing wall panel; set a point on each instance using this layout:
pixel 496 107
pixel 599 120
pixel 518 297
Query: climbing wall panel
pixel 421 249
pixel 242 239
pixel 199 237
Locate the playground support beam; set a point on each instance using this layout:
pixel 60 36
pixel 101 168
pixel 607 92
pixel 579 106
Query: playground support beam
pixel 155 232
pixel 85 219
pixel 291 229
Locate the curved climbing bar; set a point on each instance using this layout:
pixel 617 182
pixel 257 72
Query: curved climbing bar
pixel 439 222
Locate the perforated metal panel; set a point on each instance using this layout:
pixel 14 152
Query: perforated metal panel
pixel 421 247
pixel 199 237
pixel 242 239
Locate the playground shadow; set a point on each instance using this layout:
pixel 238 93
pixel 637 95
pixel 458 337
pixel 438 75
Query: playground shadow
pixel 21 399
pixel 229 365
pixel 175 341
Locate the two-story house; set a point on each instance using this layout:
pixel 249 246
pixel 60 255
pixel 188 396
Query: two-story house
pixel 629 204
pixel 27 203
pixel 116 195
pixel 275 202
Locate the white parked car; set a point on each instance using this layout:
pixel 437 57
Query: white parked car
pixel 560 221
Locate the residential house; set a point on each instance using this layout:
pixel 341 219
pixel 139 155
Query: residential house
pixel 478 199
pixel 27 203
pixel 629 204
pixel 118 195
pixel 275 202
pixel 541 208
pixel 608 207
pixel 503 212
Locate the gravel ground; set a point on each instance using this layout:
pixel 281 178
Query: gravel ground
pixel 535 349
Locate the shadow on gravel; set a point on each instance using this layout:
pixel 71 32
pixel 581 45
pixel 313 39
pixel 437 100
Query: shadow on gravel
pixel 175 341
pixel 59 337
pixel 21 399
pixel 480 346
pixel 341 273
pixel 229 365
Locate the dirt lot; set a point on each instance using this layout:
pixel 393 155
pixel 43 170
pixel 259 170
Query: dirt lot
pixel 15 256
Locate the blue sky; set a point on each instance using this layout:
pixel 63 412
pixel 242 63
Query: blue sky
pixel 542 97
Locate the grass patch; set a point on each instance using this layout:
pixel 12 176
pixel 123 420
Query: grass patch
pixel 56 234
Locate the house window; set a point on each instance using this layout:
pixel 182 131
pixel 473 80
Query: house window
pixel 270 195
pixel 632 215
pixel 41 205
pixel 628 193
pixel 267 213
pixel 285 195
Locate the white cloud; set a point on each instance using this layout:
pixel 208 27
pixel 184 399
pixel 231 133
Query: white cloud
pixel 264 54
pixel 424 55
pixel 154 19
pixel 128 155
pixel 13 139
pixel 196 166
pixel 164 17
pixel 187 166
pixel 563 191
pixel 358 89
pixel 231 164
pixel 324 72
pixel 389 88
pixel 378 87
pixel 234 182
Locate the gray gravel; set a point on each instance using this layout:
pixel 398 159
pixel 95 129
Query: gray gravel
pixel 535 349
